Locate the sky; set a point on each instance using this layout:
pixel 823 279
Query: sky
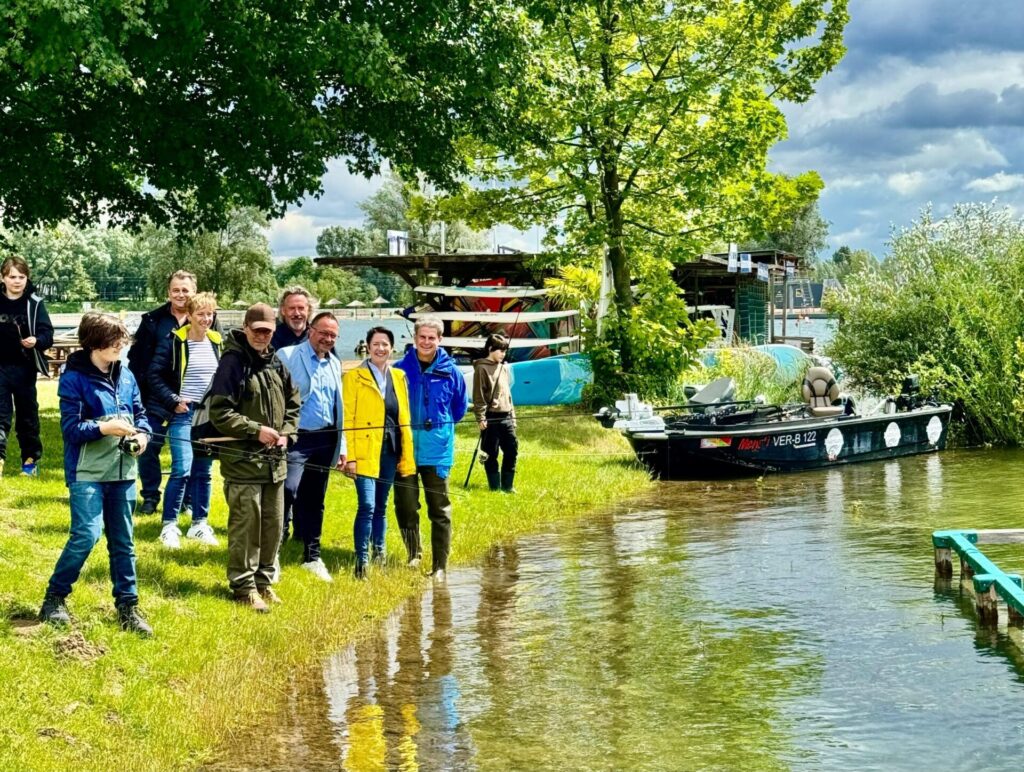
pixel 926 109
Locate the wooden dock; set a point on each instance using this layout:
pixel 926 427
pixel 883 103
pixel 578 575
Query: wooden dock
pixel 990 583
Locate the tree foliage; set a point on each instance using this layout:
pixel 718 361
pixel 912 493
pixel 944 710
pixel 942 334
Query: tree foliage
pixel 179 111
pixel 325 282
pixel 805 235
pixel 945 304
pixel 58 257
pixel 233 261
pixel 643 131
pixel 844 263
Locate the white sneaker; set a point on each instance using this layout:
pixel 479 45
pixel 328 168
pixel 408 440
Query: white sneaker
pixel 170 537
pixel 202 532
pixel 318 569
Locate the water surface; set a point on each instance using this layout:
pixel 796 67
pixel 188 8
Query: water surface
pixel 790 623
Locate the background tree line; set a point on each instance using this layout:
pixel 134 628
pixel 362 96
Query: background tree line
pixel 123 267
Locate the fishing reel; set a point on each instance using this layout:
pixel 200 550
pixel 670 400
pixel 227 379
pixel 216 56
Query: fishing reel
pixel 130 445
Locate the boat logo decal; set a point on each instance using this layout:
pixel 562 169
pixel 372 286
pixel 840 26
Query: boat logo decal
pixel 833 444
pixel 892 435
pixel 715 442
pixel 752 443
pixel 808 439
pixel 934 430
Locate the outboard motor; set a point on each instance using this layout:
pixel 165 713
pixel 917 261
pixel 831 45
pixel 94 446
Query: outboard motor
pixel 910 394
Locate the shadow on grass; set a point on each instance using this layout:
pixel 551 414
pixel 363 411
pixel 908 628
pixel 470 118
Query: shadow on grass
pixel 154 575
pixel 37 500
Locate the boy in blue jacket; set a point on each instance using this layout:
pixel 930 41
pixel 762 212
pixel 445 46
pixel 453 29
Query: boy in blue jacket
pixel 104 429
pixel 437 401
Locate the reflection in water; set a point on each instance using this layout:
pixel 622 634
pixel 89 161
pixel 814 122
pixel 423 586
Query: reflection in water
pixel 789 623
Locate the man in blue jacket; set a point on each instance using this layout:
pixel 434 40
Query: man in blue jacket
pixel 437 401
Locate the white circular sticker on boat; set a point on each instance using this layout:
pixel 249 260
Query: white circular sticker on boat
pixel 892 435
pixel 833 444
pixel 934 430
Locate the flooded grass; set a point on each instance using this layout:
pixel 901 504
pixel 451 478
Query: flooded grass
pixel 96 698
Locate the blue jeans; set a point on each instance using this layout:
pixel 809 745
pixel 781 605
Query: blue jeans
pixel 96 506
pixel 371 515
pixel 189 473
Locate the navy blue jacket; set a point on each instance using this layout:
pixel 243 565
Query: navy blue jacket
pixel 88 395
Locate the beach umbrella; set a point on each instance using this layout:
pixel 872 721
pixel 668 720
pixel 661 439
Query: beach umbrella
pixel 241 303
pixel 333 302
pixel 356 304
pixel 379 301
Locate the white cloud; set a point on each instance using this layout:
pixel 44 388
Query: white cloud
pixel 1000 182
pixel 907 183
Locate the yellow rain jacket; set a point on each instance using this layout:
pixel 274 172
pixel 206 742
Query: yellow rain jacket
pixel 364 421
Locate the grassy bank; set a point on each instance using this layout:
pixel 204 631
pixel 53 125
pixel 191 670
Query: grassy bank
pixel 95 698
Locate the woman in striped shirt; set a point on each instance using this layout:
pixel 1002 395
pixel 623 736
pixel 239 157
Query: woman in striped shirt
pixel 179 376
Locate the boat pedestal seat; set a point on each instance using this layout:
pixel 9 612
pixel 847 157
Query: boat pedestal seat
pixel 821 392
pixel 825 412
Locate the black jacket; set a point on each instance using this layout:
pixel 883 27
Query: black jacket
pixel 284 336
pixel 40 327
pixel 167 372
pixel 154 327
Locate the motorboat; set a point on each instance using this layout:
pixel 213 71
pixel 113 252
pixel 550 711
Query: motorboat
pixel 714 435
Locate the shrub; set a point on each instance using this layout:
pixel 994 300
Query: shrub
pixel 946 304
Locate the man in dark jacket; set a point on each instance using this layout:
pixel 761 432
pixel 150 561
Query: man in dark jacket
pixel 296 308
pixel 437 401
pixel 253 400
pixel 25 333
pixel 154 327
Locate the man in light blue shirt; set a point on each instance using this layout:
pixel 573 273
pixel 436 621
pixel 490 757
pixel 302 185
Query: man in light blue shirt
pixel 316 373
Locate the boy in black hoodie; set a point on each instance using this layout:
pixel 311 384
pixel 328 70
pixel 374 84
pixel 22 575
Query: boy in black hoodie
pixel 25 333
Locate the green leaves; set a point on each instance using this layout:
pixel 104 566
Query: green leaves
pixel 945 305
pixel 177 112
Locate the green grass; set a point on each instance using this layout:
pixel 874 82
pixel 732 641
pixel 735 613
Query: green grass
pixel 94 698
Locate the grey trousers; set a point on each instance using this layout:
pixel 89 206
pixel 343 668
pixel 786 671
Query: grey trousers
pixel 439 510
pixel 255 519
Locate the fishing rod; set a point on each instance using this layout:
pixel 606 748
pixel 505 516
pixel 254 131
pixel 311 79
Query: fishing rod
pixel 274 453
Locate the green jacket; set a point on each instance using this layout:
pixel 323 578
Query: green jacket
pixel 251 390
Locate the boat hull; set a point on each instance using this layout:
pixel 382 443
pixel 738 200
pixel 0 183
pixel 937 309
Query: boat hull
pixel 789 446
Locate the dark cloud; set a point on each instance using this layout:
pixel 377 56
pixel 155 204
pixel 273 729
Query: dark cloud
pixel 925 108
pixel 918 30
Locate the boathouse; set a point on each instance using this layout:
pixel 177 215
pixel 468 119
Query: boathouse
pixel 740 293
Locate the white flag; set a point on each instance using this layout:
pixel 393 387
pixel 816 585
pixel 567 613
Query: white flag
pixel 733 259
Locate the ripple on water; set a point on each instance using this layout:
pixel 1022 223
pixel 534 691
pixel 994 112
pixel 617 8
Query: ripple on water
pixel 787 623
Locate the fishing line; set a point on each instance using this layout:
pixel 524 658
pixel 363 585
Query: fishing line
pixel 273 455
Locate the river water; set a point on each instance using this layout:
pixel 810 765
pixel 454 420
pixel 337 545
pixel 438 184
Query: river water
pixel 789 623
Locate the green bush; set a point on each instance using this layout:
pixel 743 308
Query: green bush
pixel 945 304
pixel 755 373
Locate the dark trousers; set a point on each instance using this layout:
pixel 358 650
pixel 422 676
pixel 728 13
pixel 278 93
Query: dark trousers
pixel 150 474
pixel 18 399
pixel 500 434
pixel 439 510
pixel 254 533
pixel 309 463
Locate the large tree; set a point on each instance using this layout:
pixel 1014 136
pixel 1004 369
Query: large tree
pixel 178 111
pixel 643 132
pixel 233 261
